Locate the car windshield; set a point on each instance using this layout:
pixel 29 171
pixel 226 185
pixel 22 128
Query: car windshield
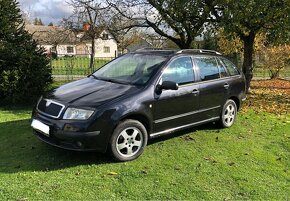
pixel 134 69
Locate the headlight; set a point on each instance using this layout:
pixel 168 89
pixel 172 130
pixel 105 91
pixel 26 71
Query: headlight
pixel 80 114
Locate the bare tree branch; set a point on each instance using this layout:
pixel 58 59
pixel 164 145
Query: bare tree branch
pixel 178 21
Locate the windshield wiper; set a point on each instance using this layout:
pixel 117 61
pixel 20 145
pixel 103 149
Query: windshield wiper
pixel 109 79
pixel 94 76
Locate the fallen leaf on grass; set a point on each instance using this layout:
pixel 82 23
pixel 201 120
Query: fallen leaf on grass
pixel 113 173
pixel 22 199
pixel 270 96
pixel 271 84
pixel 188 138
pixel 231 163
pixel 210 159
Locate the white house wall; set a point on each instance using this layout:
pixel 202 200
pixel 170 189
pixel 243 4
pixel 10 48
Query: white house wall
pixel 62 50
pixel 46 47
pixel 100 48
pixel 100 45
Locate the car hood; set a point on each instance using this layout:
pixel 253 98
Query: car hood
pixel 90 92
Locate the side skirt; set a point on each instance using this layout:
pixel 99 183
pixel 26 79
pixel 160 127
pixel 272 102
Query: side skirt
pixel 171 130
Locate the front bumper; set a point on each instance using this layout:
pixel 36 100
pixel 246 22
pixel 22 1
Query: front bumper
pixel 85 139
pixel 76 141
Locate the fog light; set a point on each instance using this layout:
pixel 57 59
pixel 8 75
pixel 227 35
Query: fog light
pixel 69 127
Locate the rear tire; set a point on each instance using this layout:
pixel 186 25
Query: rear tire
pixel 229 114
pixel 128 140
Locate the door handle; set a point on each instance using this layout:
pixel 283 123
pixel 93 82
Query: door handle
pixel 195 92
pixel 226 85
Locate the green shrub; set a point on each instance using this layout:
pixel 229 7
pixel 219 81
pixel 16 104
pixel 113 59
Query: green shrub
pixel 24 69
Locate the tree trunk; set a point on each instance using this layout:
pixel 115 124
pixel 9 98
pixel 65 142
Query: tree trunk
pixel 56 52
pixel 182 44
pixel 274 74
pixel 248 58
pixel 92 59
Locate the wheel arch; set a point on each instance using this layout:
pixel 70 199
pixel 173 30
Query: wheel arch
pixel 141 118
pixel 236 100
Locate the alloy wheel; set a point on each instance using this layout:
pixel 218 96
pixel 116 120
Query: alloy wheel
pixel 129 142
pixel 229 115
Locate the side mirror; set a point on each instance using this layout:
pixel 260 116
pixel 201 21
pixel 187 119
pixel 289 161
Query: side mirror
pixel 166 85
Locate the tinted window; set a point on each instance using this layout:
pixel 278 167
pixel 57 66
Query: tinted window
pixel 208 68
pixel 180 71
pixel 232 69
pixel 222 69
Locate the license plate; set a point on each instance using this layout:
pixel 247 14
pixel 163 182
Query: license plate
pixel 41 127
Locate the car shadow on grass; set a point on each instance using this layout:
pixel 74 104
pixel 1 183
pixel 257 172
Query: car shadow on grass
pixel 21 150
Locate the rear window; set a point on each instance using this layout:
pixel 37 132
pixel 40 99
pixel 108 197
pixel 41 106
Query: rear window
pixel 222 69
pixel 232 69
pixel 208 68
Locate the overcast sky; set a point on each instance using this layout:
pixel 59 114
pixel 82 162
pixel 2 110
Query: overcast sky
pixel 47 10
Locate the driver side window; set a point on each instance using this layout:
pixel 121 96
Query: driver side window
pixel 180 71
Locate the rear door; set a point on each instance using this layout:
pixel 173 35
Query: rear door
pixel 213 86
pixel 235 79
pixel 174 108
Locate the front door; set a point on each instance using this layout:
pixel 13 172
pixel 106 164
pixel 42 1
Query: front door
pixel 174 108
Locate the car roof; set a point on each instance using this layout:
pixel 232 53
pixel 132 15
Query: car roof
pixel 170 52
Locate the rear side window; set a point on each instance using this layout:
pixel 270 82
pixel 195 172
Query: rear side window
pixel 222 69
pixel 208 68
pixel 180 71
pixel 232 69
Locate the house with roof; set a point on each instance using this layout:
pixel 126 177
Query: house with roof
pixel 64 42
pixel 105 44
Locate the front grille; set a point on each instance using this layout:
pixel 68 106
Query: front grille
pixel 50 108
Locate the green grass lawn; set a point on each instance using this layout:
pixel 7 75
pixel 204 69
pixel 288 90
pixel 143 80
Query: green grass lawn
pixel 247 161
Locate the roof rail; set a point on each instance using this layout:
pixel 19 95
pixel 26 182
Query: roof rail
pixel 199 51
pixel 155 49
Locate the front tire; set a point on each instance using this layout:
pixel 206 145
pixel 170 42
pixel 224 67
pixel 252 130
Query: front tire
pixel 128 140
pixel 229 114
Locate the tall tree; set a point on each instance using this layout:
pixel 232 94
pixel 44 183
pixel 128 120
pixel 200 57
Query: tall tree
pixel 246 18
pixel 24 69
pixel 179 21
pixel 90 13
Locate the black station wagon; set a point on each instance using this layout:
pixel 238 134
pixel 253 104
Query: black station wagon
pixel 137 96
